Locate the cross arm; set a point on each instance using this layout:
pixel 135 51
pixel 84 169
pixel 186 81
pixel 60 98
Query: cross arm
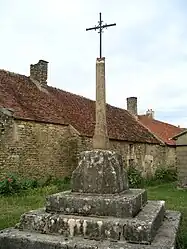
pixel 102 27
pixel 97 27
pixel 108 25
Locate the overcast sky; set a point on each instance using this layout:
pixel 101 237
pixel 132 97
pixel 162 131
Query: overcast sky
pixel 146 53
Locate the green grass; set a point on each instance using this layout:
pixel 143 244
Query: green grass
pixel 13 206
pixel 175 200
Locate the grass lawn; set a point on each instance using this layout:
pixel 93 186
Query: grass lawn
pixel 12 207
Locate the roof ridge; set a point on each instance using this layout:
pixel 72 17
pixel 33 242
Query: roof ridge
pixel 160 121
pixel 137 119
pixel 13 73
pixel 179 134
pixel 78 95
pixel 62 90
pixel 60 106
pixel 86 98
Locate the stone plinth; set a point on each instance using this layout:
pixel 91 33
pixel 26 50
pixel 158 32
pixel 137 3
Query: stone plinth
pixel 123 205
pixel 100 212
pixel 100 171
pixel 141 229
pixel 15 239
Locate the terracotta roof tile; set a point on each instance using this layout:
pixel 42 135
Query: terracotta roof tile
pixel 56 106
pixel 162 130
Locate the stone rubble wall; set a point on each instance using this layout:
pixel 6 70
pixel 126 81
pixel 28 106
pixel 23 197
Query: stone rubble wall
pixel 181 151
pixel 145 157
pixel 34 149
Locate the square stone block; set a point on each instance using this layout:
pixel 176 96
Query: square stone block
pixel 99 172
pixel 126 204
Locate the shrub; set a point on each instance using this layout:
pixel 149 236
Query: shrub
pixel 134 177
pixel 10 184
pixel 62 184
pixel 46 181
pixel 164 174
pixel 30 184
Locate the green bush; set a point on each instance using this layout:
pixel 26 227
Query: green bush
pixel 166 174
pixel 10 184
pixel 134 177
pixel 30 184
pixel 162 175
pixel 62 184
pixel 46 181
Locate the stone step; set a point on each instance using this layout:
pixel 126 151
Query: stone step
pixel 15 239
pixel 141 229
pixel 144 226
pixel 123 205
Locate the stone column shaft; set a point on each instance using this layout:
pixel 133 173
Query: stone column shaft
pixel 100 138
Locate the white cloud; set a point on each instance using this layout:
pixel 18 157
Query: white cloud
pixel 146 53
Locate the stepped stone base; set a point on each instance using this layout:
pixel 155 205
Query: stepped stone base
pixel 141 229
pixel 15 239
pixel 125 204
pixel 100 212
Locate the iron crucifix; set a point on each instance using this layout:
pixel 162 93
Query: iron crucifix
pixel 101 27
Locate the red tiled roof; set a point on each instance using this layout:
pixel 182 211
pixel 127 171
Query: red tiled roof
pixel 162 130
pixel 56 106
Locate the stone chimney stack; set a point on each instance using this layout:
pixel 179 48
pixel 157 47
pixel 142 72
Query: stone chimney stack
pixel 132 105
pixel 39 72
pixel 150 113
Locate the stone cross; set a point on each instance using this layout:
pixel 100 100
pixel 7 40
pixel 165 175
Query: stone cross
pixel 100 138
pixel 101 27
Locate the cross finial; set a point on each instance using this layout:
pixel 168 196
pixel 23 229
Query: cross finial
pixel 101 27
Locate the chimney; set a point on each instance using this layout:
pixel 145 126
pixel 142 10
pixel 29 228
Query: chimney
pixel 150 113
pixel 39 72
pixel 132 105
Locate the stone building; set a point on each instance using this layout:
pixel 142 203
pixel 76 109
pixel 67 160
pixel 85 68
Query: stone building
pixel 43 129
pixel 161 130
pixel 181 152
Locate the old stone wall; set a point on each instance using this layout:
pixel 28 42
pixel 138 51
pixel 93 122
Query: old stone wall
pixel 171 157
pixel 34 149
pixel 145 157
pixel 181 152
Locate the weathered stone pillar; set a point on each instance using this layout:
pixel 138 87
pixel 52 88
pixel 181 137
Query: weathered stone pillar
pixel 100 138
pixel 100 171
